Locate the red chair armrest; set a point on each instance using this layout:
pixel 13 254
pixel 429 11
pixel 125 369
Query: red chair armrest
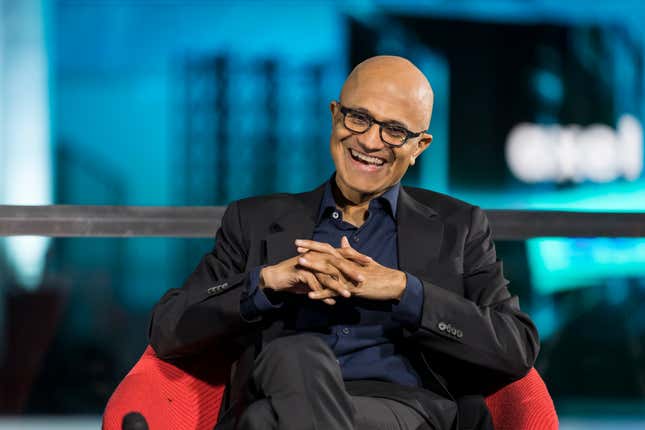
pixel 523 405
pixel 168 397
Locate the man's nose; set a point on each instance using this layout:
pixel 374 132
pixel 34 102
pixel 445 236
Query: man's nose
pixel 371 139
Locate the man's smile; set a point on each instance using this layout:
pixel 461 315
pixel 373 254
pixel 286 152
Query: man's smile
pixel 364 162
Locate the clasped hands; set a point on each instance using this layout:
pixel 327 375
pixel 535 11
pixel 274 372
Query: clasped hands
pixel 324 272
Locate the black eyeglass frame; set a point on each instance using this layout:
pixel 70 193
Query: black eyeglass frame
pixel 371 121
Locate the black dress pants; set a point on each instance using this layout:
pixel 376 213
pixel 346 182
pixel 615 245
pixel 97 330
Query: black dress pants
pixel 297 385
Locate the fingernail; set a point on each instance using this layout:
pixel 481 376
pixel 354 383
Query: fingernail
pixel 302 260
pixel 298 242
pixel 361 278
pixel 312 295
pixel 346 293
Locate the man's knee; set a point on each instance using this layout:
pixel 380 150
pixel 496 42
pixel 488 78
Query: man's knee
pixel 299 347
pixel 259 415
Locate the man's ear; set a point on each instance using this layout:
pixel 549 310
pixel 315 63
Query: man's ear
pixel 424 143
pixel 333 108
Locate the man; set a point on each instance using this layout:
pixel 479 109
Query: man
pixel 361 304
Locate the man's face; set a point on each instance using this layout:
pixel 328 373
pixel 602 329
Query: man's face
pixel 385 165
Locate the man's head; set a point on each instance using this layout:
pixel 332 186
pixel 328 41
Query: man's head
pixel 390 90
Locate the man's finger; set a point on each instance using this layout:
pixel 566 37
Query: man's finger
pixel 315 286
pixel 349 269
pixel 352 254
pixel 344 242
pixel 319 265
pixel 324 295
pixel 312 245
pixel 332 265
pixel 308 278
pixel 347 251
pixel 328 275
pixel 335 283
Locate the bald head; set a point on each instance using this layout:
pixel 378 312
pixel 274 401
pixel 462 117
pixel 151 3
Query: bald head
pixel 393 78
pixel 392 93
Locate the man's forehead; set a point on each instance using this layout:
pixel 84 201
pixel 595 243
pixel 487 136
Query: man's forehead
pixel 387 103
pixel 391 87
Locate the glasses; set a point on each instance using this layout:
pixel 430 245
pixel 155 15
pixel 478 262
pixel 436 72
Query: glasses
pixel 391 134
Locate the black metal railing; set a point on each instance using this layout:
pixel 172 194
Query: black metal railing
pixel 203 221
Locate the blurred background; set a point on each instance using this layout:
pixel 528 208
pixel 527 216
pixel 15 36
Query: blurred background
pixel 539 105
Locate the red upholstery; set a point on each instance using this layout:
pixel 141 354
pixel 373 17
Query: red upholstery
pixel 189 399
pixel 523 405
pixel 168 397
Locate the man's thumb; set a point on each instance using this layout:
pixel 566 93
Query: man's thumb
pixel 344 243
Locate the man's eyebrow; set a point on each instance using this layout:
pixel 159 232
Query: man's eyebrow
pixel 387 121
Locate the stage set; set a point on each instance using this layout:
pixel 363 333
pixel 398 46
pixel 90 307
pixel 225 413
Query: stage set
pixel 127 127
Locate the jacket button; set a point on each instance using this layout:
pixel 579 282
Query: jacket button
pixel 211 290
pixel 442 326
pixel 460 334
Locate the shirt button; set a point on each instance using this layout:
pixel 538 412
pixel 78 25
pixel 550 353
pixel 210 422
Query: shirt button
pixel 346 330
pixel 355 238
pixel 335 215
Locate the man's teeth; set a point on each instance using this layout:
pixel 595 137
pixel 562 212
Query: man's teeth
pixel 366 158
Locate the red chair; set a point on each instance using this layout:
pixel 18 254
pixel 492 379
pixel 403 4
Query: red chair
pixel 189 399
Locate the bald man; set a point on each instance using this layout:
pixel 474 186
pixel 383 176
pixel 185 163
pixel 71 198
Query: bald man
pixel 361 304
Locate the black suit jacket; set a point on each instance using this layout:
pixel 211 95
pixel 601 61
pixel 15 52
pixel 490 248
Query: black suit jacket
pixel 473 338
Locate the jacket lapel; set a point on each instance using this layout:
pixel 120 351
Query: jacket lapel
pixel 298 222
pixel 419 231
pixel 419 235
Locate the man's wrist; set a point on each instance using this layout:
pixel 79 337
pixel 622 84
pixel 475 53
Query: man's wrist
pixel 410 306
pixel 263 279
pixel 257 301
pixel 401 284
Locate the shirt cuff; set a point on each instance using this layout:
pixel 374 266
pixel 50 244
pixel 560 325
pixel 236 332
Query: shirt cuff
pixel 408 310
pixel 255 302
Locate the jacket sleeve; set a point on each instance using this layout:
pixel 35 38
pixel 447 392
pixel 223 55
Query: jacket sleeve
pixel 480 338
pixel 205 311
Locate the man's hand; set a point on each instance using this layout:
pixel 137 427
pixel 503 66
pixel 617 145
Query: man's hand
pixel 370 279
pixel 289 276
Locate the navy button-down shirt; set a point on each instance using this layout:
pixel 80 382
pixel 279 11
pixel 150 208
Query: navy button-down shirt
pixel 362 333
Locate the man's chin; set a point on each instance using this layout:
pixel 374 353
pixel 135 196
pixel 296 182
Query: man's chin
pixel 361 186
pixel 364 189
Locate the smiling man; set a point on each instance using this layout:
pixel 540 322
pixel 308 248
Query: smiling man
pixel 362 304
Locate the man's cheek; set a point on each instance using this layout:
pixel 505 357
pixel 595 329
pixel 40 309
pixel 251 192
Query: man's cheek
pixel 341 134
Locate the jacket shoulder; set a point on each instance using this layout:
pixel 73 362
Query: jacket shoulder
pixel 446 206
pixel 266 206
pixel 269 207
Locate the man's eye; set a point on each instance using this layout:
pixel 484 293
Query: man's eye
pixel 397 132
pixel 358 118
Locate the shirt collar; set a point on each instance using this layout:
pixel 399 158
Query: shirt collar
pixel 390 199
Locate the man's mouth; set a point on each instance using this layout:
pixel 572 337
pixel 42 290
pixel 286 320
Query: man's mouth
pixel 366 159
